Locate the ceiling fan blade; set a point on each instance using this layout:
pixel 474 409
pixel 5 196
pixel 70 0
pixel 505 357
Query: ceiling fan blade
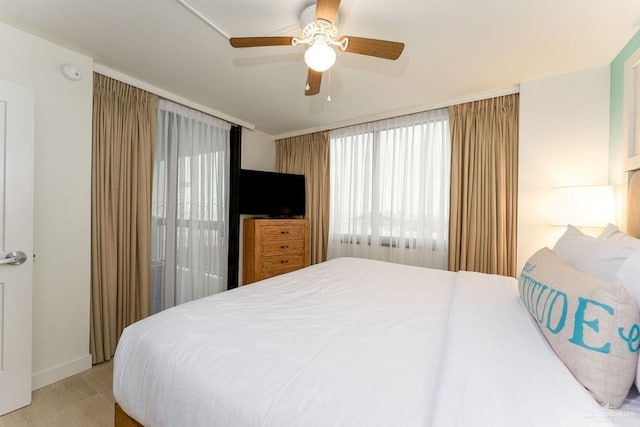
pixel 327 9
pixel 260 41
pixel 314 78
pixel 372 47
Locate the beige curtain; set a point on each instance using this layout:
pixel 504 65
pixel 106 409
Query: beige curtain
pixel 309 155
pixel 484 173
pixel 124 123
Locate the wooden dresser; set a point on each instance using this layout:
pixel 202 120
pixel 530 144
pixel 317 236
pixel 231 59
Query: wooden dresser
pixel 273 247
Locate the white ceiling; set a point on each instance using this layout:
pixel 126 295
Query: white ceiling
pixel 455 49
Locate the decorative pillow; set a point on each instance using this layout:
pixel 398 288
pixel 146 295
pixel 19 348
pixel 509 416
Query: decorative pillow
pixel 612 233
pixel 593 326
pixel 596 257
pixel 629 278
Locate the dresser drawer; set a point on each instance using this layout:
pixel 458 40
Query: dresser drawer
pixel 273 273
pixel 283 232
pixel 280 262
pixel 281 246
pixel 274 246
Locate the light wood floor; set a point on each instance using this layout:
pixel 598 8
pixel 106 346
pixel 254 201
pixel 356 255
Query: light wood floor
pixel 84 400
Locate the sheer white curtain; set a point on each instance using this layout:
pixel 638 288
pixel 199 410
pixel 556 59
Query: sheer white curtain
pixel 189 206
pixel 390 190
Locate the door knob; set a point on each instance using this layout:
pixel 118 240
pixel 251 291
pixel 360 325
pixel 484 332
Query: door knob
pixel 14 258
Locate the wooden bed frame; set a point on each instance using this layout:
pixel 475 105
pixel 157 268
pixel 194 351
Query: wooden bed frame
pixel 124 420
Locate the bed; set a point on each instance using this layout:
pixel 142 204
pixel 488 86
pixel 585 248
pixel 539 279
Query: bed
pixel 436 348
pixel 354 342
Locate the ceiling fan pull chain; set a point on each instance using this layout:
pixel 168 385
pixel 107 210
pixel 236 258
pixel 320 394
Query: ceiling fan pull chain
pixel 329 78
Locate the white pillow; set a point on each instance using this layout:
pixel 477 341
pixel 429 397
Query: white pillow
pixel 608 231
pixel 629 278
pixel 612 232
pixel 598 258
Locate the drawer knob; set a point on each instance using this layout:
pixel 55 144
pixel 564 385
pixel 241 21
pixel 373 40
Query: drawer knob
pixel 284 232
pixel 284 261
pixel 284 246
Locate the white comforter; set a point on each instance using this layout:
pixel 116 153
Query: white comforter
pixel 351 342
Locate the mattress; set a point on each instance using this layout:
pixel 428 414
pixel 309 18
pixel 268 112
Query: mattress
pixel 352 342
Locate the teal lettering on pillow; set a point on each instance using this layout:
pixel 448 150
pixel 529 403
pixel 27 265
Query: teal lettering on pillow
pixel 633 339
pixel 578 326
pixel 593 326
pixel 563 316
pixel 527 291
pixel 539 315
pixel 530 286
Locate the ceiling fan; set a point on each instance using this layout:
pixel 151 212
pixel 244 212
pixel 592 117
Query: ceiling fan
pixel 320 33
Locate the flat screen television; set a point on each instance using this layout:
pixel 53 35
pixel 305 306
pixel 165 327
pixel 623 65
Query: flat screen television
pixel 271 193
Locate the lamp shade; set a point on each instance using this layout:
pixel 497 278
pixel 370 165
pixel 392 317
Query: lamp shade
pixel 320 57
pixel 582 206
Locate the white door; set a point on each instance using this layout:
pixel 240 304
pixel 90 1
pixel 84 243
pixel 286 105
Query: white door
pixel 16 234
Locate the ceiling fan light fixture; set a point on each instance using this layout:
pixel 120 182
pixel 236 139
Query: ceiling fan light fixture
pixel 319 32
pixel 320 57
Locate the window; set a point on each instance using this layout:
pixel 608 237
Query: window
pixel 390 190
pixel 190 206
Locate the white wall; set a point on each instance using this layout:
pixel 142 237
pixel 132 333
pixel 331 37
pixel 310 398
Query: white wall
pixel 564 140
pixel 258 151
pixel 62 200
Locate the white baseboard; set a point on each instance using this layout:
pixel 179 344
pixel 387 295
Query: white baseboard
pixel 60 372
